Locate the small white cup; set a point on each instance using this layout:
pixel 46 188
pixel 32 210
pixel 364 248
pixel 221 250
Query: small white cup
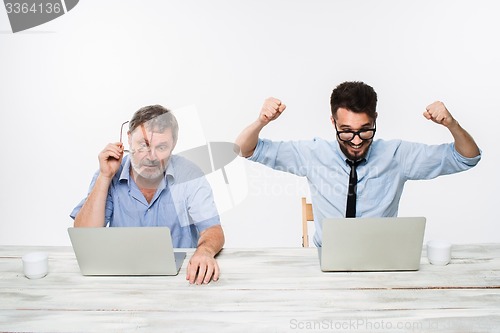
pixel 35 265
pixel 439 252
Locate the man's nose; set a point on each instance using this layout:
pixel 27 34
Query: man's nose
pixel 152 153
pixel 356 140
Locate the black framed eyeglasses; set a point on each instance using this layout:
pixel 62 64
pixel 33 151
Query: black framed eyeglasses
pixel 348 136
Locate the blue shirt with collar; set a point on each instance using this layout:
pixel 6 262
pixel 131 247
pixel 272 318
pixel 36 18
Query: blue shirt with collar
pixel 381 178
pixel 183 202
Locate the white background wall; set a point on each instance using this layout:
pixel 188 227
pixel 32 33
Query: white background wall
pixel 66 87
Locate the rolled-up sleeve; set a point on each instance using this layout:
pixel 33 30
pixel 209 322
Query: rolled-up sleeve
pixel 429 161
pixel 288 156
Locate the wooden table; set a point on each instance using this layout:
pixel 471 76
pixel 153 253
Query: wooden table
pixel 260 290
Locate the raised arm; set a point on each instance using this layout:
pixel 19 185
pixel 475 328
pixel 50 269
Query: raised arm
pixel 92 212
pixel 247 140
pixel 464 143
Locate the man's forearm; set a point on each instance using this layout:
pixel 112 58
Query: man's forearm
pixel 211 240
pixel 248 138
pixel 464 143
pixel 92 212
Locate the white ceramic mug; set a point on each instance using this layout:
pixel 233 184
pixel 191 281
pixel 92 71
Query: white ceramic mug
pixel 35 265
pixel 439 252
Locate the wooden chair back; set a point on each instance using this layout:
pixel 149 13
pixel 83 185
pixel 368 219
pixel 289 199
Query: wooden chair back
pixel 307 216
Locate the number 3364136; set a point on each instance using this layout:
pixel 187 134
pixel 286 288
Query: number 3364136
pixel 25 8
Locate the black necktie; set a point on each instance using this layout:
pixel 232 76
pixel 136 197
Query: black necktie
pixel 351 192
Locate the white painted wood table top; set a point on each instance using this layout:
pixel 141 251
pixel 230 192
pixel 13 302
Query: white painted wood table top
pixel 260 290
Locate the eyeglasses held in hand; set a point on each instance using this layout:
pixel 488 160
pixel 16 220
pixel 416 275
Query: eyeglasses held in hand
pixel 121 135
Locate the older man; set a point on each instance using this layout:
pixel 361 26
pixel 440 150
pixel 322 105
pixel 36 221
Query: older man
pixel 152 187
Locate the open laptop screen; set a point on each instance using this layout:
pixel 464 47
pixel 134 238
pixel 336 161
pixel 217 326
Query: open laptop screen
pixel 125 251
pixel 372 244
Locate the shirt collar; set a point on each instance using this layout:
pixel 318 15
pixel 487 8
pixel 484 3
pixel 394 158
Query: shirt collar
pixel 125 174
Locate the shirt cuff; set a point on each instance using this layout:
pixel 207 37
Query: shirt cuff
pixel 470 161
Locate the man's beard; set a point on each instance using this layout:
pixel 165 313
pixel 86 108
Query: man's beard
pixel 150 170
pixel 357 154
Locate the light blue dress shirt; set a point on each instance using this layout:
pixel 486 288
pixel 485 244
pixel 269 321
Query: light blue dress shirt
pixel 381 178
pixel 183 202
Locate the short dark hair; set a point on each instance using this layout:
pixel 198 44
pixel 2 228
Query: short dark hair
pixel 355 96
pixel 157 117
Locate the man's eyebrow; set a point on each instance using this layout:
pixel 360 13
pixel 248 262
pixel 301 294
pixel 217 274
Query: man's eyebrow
pixel 366 125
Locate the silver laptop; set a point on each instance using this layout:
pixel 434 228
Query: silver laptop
pixel 372 244
pixel 125 251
